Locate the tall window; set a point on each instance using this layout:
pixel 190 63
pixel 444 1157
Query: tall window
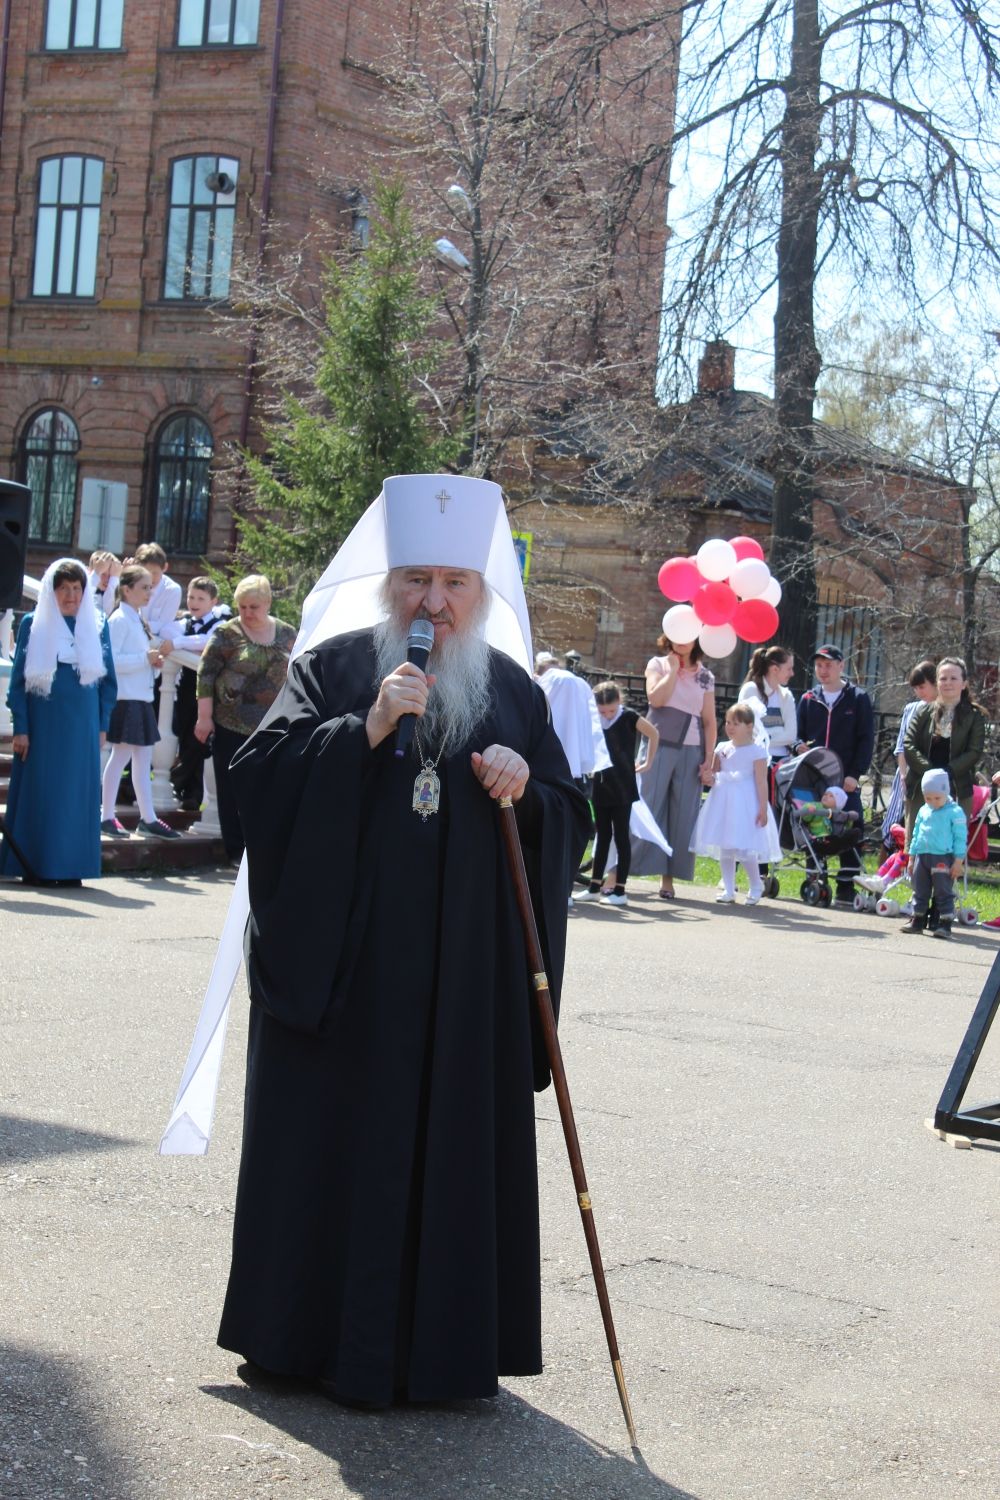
pixel 71 24
pixel 200 227
pixel 182 486
pixel 69 217
pixel 49 447
pixel 217 23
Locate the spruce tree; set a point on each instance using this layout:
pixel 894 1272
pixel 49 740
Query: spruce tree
pixel 330 450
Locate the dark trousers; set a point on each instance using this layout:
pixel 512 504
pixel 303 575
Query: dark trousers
pixel 225 743
pixel 850 860
pixel 186 774
pixel 932 875
pixel 612 820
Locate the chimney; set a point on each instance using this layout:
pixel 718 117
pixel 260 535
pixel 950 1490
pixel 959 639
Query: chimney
pixel 717 369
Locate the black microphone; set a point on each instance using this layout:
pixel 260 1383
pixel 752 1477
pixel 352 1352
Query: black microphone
pixel 419 640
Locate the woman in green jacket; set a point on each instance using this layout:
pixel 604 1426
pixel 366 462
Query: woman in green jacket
pixel 949 733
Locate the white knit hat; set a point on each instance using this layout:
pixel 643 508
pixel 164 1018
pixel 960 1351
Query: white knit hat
pixel 935 780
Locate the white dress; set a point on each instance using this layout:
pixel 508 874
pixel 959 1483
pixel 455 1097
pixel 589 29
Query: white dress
pixel 727 823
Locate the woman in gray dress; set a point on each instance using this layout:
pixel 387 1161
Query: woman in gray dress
pixel 681 692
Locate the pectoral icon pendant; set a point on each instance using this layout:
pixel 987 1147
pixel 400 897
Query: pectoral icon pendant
pixel 426 791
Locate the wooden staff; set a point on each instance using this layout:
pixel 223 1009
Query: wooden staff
pixel 515 859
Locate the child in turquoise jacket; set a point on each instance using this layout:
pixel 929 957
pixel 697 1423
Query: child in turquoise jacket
pixel 937 853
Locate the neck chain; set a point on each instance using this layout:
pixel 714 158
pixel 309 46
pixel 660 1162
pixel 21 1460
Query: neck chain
pixel 427 786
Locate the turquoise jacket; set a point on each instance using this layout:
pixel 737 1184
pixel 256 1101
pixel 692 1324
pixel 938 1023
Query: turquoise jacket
pixel 940 830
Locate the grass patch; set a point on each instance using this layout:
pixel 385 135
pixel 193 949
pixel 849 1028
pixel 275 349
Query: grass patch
pixel 984 883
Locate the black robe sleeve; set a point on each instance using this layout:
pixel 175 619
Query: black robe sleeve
pixel 297 782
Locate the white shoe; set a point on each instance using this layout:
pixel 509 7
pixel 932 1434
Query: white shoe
pixel 613 900
pixel 725 899
pixel 873 883
pixel 587 895
pixel 753 898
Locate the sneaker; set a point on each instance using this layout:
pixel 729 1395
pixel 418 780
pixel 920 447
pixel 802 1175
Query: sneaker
pixel 587 895
pixel 114 829
pixel 873 883
pixel 994 922
pixel 753 898
pixel 916 924
pixel 943 929
pixel 614 900
pixel 724 899
pixel 157 829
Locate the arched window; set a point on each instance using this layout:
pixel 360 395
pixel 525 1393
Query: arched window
pixel 200 221
pixel 49 445
pixel 69 221
pixel 182 485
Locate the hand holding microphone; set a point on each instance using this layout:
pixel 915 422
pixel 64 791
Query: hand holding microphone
pixel 403 694
pixel 419 640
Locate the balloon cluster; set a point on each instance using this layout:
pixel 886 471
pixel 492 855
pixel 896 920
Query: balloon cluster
pixel 726 593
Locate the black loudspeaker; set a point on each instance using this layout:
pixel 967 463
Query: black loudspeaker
pixel 15 508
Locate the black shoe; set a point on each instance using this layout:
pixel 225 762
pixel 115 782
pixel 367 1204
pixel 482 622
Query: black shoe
pixel 943 929
pixel 916 924
pixel 354 1402
pixel 844 895
pixel 157 829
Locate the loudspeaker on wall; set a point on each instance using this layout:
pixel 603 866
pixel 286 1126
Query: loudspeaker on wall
pixel 15 508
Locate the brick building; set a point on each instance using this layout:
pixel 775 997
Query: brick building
pixel 888 540
pixel 143 145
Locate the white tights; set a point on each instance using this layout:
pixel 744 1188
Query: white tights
pixel 141 757
pixel 727 863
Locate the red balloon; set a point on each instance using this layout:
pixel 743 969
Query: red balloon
pixel 714 603
pixel 679 579
pixel 755 620
pixel 745 546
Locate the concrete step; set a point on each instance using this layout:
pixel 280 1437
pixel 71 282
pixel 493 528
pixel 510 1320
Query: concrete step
pixel 192 851
pixel 127 856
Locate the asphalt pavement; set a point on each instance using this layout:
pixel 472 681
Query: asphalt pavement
pixel 804 1279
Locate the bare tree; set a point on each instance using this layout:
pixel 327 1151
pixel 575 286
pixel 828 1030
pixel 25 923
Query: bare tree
pixel 935 400
pixel 532 160
pixel 856 141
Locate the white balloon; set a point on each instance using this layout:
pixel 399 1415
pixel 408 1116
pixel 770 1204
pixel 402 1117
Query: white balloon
pixel 717 640
pixel 716 559
pixel 772 594
pixel 681 624
pixel 750 578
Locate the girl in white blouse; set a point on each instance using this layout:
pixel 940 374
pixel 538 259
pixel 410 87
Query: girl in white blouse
pixel 133 731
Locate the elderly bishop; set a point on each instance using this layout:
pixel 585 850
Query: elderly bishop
pixel 386 1230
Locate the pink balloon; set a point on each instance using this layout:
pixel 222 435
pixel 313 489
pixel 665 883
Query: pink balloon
pixel 679 579
pixel 746 546
pixel 714 603
pixel 755 620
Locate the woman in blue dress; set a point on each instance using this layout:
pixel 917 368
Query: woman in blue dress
pixel 62 691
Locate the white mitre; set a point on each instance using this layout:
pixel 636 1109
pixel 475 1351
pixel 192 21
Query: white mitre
pixel 423 520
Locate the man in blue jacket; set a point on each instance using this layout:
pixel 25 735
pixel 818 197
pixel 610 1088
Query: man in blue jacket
pixel 838 714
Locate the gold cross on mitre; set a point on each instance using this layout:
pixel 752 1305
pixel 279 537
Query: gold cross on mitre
pixel 443 497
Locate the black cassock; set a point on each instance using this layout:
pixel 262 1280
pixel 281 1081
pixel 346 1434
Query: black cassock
pixel 386 1230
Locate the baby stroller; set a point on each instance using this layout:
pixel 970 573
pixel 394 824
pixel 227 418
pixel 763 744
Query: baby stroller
pixel 811 774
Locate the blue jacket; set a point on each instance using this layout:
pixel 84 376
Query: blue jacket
pixel 848 728
pixel 940 830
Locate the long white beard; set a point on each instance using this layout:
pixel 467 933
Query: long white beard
pixel 460 698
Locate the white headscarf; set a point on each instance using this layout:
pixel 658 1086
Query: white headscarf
pixel 52 641
pixel 434 520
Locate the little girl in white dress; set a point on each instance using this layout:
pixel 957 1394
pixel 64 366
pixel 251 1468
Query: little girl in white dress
pixel 736 822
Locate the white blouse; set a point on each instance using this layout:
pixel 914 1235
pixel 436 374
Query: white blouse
pixel 130 647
